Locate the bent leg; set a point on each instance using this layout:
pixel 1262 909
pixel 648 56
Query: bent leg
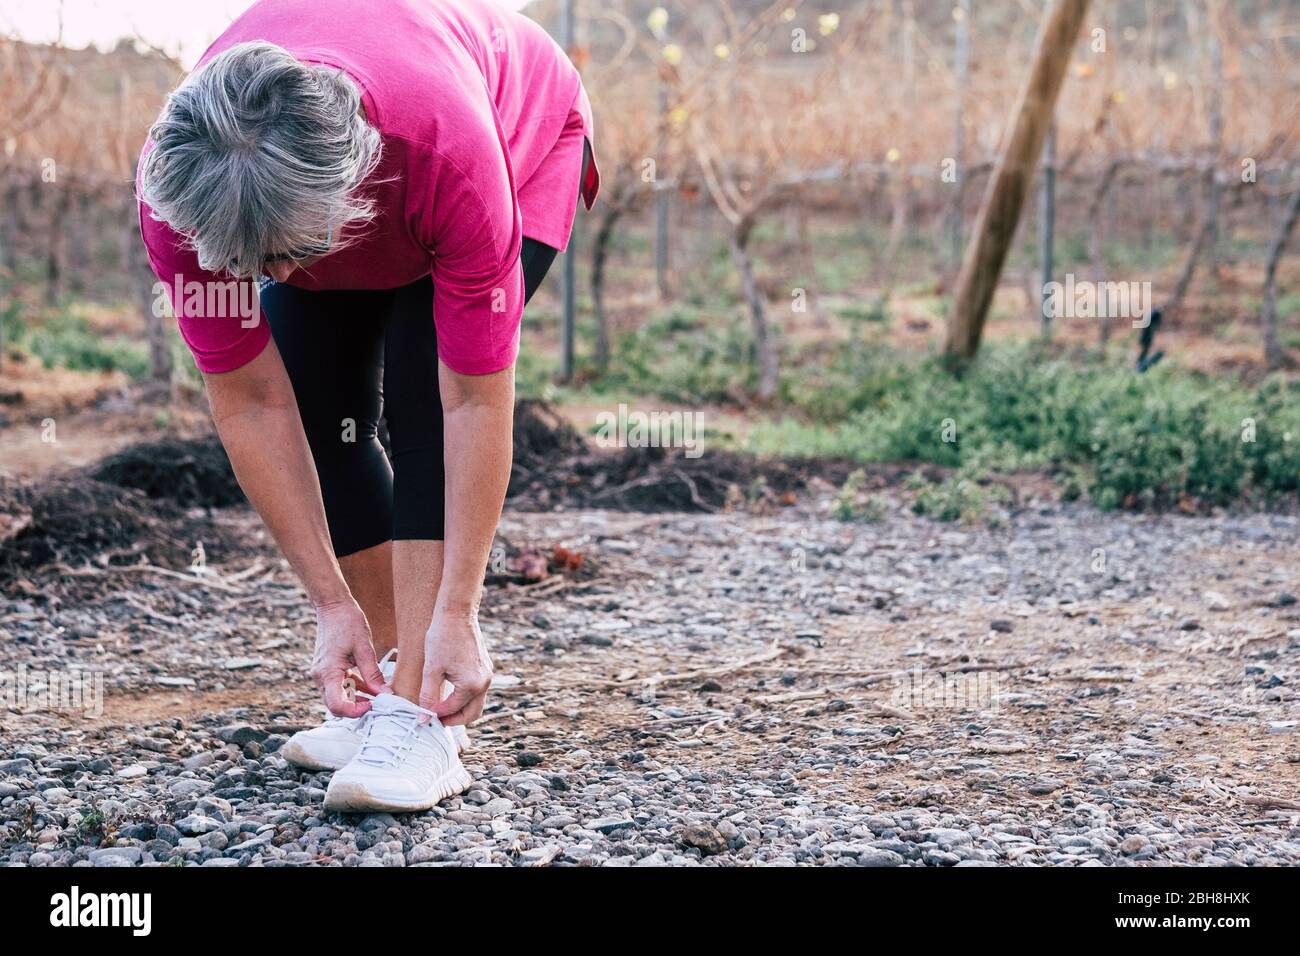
pixel 332 346
pixel 413 409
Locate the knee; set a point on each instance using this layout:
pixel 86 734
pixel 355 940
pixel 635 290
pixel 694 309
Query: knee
pixel 340 437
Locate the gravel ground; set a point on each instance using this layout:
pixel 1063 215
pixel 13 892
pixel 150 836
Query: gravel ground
pixel 1071 689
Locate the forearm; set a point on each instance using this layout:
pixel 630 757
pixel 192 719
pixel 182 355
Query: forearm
pixel 478 418
pixel 263 436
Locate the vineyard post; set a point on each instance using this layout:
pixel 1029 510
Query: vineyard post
pixel 1048 235
pixel 1004 198
pixel 1205 238
pixel 962 14
pixel 661 202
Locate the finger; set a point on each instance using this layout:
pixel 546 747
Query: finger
pixel 336 701
pixel 475 709
pixel 467 714
pixel 430 689
pixel 456 702
pixel 372 679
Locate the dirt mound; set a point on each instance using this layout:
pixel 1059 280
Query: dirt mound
pixel 555 467
pixel 192 473
pixel 76 520
pixel 150 501
pixel 542 439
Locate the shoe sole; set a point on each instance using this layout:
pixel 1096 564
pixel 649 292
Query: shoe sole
pixel 346 797
pixel 300 758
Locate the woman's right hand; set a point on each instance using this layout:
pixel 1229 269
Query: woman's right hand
pixel 343 643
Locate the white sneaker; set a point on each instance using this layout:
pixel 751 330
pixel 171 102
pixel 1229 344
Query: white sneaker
pixel 404 764
pixel 331 745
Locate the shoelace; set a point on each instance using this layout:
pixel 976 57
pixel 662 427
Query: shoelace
pixel 335 718
pixel 396 732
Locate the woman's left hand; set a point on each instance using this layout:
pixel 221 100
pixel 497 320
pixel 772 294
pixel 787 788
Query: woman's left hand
pixel 454 652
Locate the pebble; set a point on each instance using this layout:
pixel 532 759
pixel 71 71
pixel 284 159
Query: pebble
pixel 716 769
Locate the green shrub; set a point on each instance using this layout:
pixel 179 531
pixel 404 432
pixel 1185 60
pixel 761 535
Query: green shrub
pixel 853 504
pixel 1126 440
pixel 66 340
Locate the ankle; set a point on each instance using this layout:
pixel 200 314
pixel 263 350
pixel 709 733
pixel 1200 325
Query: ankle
pixel 406 682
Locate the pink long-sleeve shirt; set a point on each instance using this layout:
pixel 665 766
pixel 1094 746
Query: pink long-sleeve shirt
pixel 483 119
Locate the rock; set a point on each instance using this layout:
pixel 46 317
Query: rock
pixel 240 734
pixel 1045 786
pixel 609 824
pixel 947 837
pixel 705 838
pixel 879 858
pixel 940 858
pixel 130 855
pixel 197 825
pixel 199 760
pixel 174 681
pixel 1216 601
pixel 541 855
pixel 133 772
pixel 1133 844
pixel 186 788
pixel 1002 626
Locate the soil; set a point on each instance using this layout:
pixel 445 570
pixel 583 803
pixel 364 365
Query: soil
pixel 1069 688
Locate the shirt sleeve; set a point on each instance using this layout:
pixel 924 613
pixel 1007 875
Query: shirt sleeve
pixel 219 317
pixel 469 219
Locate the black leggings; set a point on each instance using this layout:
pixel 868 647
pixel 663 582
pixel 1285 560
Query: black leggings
pixel 353 355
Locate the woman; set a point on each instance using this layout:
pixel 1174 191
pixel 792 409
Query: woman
pixel 396 177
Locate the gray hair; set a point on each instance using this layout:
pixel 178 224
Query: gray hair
pixel 258 154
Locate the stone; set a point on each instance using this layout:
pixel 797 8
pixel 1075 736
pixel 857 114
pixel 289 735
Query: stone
pixel 705 838
pixel 240 734
pixel 609 824
pixel 109 856
pixel 196 825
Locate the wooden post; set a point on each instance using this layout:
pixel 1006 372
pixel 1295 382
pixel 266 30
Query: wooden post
pixel 1004 199
pixel 1048 227
pixel 962 12
pixel 661 205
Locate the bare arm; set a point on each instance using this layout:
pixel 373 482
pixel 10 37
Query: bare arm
pixel 478 419
pixel 257 418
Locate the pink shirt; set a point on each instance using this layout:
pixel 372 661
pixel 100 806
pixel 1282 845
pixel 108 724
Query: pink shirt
pixel 483 118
